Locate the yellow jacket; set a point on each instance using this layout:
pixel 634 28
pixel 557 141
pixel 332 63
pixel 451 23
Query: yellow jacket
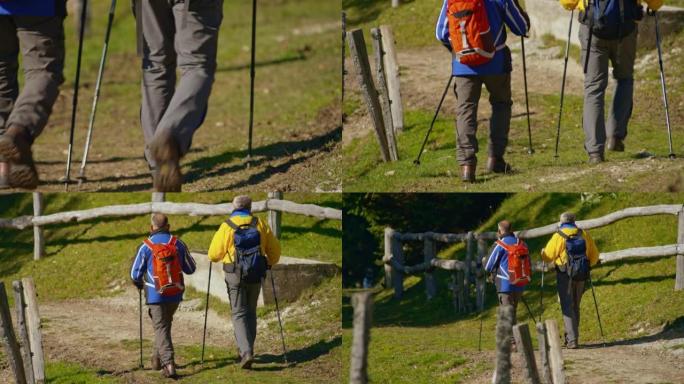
pixel 555 248
pixel 222 248
pixel 579 4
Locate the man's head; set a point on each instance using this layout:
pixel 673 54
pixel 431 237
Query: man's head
pixel 160 222
pixel 504 228
pixel 243 202
pixel 567 218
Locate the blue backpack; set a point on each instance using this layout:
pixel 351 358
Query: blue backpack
pixel 577 266
pixel 611 19
pixel 249 261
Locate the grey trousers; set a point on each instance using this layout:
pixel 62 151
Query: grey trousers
pixel 42 46
pixel 621 54
pixel 468 90
pixel 243 305
pixel 162 318
pixel 512 299
pixel 175 38
pixel 570 293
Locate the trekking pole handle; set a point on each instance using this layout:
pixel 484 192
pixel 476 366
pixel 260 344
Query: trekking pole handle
pixel 650 12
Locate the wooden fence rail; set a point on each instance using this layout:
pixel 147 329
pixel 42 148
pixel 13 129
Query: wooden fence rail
pixel 363 318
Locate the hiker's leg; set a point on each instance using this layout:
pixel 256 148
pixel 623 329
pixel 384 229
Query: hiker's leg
pixel 159 67
pixel 239 310
pixel 196 44
pixel 9 66
pixel 42 45
pixel 499 87
pixel 252 300
pixel 623 72
pixel 563 284
pixel 595 84
pixel 468 89
pixel 577 292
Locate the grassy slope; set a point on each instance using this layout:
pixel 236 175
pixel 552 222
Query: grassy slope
pixel 438 346
pixel 98 256
pixel 297 78
pixel 413 27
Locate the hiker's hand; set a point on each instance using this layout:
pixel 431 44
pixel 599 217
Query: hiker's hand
pixel 139 285
pixel 490 278
pixel 269 266
pixel 569 5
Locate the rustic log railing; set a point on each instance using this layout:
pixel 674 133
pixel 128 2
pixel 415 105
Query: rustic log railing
pixel 463 272
pixel 274 205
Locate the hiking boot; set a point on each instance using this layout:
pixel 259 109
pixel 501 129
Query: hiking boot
pixel 571 345
pixel 166 153
pixel 468 173
pixel 498 165
pixel 156 363
pixel 169 371
pixel 615 144
pixel 247 360
pixel 17 169
pixel 596 158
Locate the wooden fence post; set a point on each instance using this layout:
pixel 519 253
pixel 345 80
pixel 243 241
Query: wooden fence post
pixel 275 217
pixel 392 75
pixel 555 355
pixel 544 353
pixel 504 327
pixel 363 314
pixel 359 55
pixel 25 345
pixel 384 93
pixel 481 250
pixel 395 3
pixel 393 277
pixel 34 327
pixel 470 255
pixel 461 291
pixel 521 332
pixel 679 277
pixel 9 341
pixel 38 238
pixel 429 250
pixel 158 197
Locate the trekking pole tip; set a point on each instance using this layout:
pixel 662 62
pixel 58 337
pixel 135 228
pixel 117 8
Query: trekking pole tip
pixel 672 156
pixel 416 162
pixel 530 151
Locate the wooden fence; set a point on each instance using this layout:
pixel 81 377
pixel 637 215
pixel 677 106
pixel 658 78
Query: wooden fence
pixel 463 272
pixel 274 205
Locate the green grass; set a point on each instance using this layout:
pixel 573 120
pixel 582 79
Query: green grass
pixel 68 373
pixel 439 170
pixel 631 294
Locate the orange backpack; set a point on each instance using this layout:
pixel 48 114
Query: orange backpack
pixel 471 37
pixel 166 268
pixel 519 267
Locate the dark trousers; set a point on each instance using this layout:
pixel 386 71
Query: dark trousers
pixel 162 318
pixel 42 47
pixel 570 294
pixel 243 306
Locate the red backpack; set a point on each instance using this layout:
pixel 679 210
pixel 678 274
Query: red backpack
pixel 166 268
pixel 471 37
pixel 519 267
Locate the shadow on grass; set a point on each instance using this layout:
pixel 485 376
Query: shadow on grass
pixel 298 356
pixel 672 330
pixel 300 56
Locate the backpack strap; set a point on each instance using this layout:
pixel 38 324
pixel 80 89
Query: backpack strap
pixel 172 241
pixel 149 243
pixel 232 224
pixel 254 222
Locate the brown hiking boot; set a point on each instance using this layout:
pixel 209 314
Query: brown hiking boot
pixel 468 173
pixel 498 165
pixel 156 363
pixel 164 149
pixel 169 371
pixel 247 360
pixel 615 144
pixel 596 158
pixel 17 169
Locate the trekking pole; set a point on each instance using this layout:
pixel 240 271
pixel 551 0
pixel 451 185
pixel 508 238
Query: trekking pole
pixel 141 339
pixel 527 306
pixel 282 335
pixel 432 124
pixel 252 73
pixel 598 316
pixel 74 105
pixel 206 313
pixel 103 58
pixel 565 71
pixel 530 150
pixel 541 295
pixel 662 83
pixel 484 295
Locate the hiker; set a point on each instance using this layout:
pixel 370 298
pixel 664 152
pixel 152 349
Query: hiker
pixel 573 252
pixel 35 26
pixel 477 41
pixel 509 267
pixel 614 41
pixel 247 248
pixel 179 35
pixel 162 278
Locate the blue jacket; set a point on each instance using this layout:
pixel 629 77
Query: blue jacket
pixel 142 267
pixel 498 263
pixel 33 7
pixel 499 12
